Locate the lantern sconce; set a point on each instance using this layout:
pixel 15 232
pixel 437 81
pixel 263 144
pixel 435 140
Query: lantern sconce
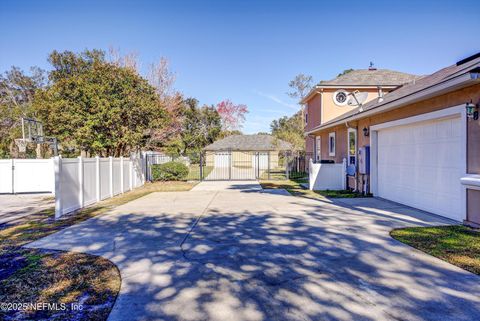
pixel 366 132
pixel 472 110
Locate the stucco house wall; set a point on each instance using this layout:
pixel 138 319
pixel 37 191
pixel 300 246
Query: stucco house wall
pixel 321 108
pixel 454 98
pixel 332 110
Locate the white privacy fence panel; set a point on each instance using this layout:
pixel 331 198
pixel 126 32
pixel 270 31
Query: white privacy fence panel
pixel 89 181
pixel 105 178
pixel 117 176
pixel 69 183
pixel 83 181
pixel 26 175
pixel 138 169
pixel 6 176
pixel 126 178
pixel 327 176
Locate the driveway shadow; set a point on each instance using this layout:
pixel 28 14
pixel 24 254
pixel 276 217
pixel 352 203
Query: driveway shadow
pixel 265 256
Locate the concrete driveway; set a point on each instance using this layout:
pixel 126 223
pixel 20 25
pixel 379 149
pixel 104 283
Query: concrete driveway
pixel 237 253
pixel 15 206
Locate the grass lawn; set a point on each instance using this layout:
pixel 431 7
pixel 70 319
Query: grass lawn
pixel 293 187
pixel 194 172
pixel 456 244
pixel 31 275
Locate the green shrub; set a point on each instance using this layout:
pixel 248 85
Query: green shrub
pixel 171 171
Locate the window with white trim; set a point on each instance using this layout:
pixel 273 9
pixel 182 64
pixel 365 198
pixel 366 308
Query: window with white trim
pixel 352 146
pixel 331 144
pixel 318 148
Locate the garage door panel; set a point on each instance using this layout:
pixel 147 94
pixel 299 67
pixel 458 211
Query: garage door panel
pixel 222 160
pixel 420 165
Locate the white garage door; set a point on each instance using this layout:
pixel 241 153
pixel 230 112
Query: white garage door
pixel 222 160
pixel 260 160
pixel 420 165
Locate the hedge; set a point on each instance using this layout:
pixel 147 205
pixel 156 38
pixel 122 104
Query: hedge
pixel 170 171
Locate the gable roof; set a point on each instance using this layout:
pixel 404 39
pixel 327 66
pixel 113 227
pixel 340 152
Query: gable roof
pixel 370 77
pixel 447 79
pixel 364 78
pixel 249 143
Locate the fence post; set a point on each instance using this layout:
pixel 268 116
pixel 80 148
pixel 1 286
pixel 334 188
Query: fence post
pixel 230 165
pixel 268 166
pixel 13 175
pixel 201 166
pixel 344 173
pixel 97 177
pixel 110 159
pixel 258 166
pixel 80 181
pixel 57 166
pixel 121 174
pixel 130 171
pixel 287 165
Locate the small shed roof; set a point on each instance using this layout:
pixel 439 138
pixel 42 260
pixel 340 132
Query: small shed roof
pixel 249 143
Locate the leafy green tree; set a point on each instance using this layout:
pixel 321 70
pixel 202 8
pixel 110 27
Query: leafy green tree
pixel 346 71
pixel 201 126
pixel 226 133
pixel 97 107
pixel 290 129
pixel 17 90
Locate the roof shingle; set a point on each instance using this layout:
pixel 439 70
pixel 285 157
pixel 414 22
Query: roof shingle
pixel 249 143
pixel 370 77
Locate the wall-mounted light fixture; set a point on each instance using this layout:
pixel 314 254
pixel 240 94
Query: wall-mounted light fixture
pixel 366 132
pixel 472 110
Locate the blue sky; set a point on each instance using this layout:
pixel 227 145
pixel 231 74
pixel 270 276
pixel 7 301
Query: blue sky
pixel 247 51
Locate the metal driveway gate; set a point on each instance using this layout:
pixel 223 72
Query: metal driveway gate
pixel 234 165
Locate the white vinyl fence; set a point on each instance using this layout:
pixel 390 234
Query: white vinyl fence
pixel 80 181
pixel 26 176
pixel 327 176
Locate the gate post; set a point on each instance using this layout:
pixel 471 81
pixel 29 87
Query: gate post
pixel 268 166
pixel 257 174
pixel 57 165
pixel 230 166
pixel 13 175
pixel 201 166
pixel 287 165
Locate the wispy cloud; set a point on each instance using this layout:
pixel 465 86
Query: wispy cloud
pixel 276 99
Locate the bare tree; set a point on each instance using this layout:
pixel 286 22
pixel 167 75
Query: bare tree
pixel 128 60
pixel 160 77
pixel 300 85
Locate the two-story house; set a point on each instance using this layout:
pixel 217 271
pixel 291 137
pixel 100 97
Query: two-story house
pixel 331 99
pixel 412 140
